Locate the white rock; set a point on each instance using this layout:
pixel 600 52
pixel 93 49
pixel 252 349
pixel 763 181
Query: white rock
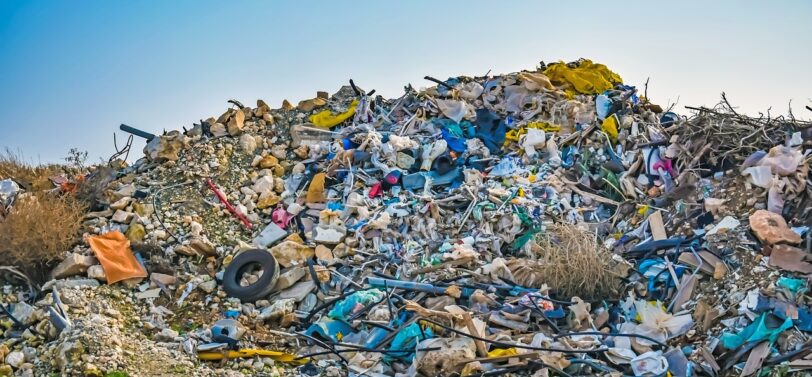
pixel 331 235
pixel 123 217
pixel 96 272
pixel 121 203
pixel 126 190
pixel 263 184
pixel 166 335
pixel 208 286
pixel 196 229
pixel 74 264
pixel 219 130
pixel 248 143
pixel 24 313
pixel 15 359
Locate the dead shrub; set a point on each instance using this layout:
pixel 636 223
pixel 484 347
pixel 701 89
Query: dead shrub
pixel 572 263
pixel 37 230
pixel 91 190
pixel 30 177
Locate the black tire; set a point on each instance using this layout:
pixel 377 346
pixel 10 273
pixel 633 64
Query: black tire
pixel 241 263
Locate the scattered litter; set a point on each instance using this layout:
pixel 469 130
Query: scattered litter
pixel 548 222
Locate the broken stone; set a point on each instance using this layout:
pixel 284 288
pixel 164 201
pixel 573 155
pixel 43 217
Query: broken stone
pixel 166 335
pixel 208 286
pixel 149 293
pixel 236 123
pixel 96 272
pixel 126 191
pixel 15 359
pixel 324 253
pixel 330 235
pixel 298 291
pixel 203 247
pixel 268 200
pixel 315 192
pixel 74 283
pixel 791 258
pixel 74 264
pixel 771 228
pixel 186 250
pixel 268 162
pixel 164 279
pixel 143 210
pixel 269 235
pixel 68 352
pixel 219 130
pixel 122 216
pixel 448 359
pixel 121 203
pixel 248 143
pixel 165 147
pixel 278 309
pixel 311 104
pixel 289 277
pixel 23 312
pixel 290 253
pixel 264 184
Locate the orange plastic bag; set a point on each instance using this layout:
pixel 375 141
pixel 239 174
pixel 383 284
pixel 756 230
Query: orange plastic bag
pixel 113 251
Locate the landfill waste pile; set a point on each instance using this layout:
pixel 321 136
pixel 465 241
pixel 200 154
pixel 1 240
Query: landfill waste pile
pixel 552 222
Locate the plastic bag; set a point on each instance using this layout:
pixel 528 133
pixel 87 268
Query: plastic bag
pixel 766 327
pixel 761 176
pixel 406 339
pixel 782 160
pixel 326 118
pixel 652 316
pixel 354 302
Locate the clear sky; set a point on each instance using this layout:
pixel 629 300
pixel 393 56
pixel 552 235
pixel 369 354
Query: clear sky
pixel 72 71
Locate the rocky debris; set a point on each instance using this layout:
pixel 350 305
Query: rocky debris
pixel 771 228
pixel 74 264
pixel 547 222
pixel 96 272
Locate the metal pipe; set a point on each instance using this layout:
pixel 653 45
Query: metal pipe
pixel 136 132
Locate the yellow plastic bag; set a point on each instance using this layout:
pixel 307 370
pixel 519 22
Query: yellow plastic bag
pixel 513 135
pixel 586 78
pixel 503 352
pixel 315 193
pixel 327 119
pixel 282 357
pixel 610 127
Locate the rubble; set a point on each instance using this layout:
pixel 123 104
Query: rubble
pixel 73 264
pixel 547 222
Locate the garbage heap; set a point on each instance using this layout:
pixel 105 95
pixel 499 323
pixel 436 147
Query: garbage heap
pixel 552 222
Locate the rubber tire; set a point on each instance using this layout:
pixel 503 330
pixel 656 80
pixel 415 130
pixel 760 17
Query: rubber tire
pixel 262 288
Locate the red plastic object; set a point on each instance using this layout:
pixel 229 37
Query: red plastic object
pixel 228 205
pixel 666 165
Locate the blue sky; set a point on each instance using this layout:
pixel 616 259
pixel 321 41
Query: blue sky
pixel 72 71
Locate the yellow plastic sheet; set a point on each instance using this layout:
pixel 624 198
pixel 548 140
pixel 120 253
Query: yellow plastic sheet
pixel 282 357
pixel 513 135
pixel 327 119
pixel 586 78
pixel 610 127
pixel 538 81
pixel 315 193
pixel 503 352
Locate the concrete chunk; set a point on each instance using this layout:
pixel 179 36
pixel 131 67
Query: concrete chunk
pixel 74 264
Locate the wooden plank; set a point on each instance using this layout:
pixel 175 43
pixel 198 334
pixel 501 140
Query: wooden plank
pixel 469 323
pixel 655 222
